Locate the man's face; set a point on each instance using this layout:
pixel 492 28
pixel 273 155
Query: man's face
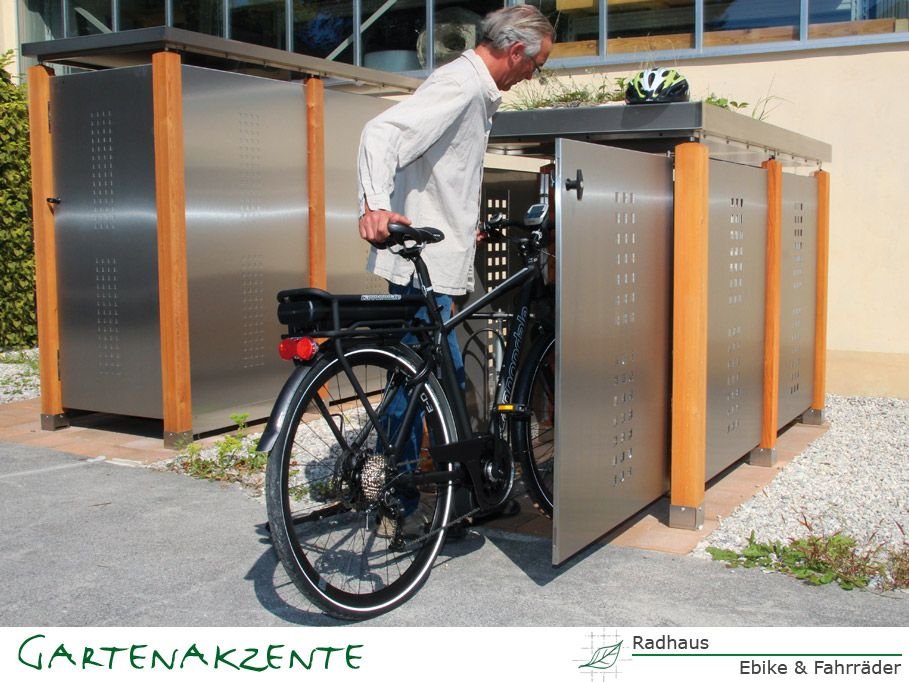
pixel 522 67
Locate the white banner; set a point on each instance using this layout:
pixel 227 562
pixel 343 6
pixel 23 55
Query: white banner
pixel 595 654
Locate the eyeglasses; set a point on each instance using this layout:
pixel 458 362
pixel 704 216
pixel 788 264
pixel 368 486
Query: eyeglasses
pixel 537 68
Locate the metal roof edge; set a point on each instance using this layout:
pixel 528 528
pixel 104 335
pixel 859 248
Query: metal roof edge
pixel 91 52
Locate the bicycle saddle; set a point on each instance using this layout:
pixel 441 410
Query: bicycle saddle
pixel 399 235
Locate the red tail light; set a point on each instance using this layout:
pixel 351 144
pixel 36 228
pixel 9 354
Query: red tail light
pixel 298 348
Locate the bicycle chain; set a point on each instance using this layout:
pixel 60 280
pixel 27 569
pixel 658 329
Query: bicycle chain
pixel 448 525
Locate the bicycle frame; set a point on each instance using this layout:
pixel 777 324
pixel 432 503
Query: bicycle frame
pixel 358 518
pixel 525 279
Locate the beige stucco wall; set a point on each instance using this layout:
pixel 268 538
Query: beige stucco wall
pixel 853 99
pixel 8 31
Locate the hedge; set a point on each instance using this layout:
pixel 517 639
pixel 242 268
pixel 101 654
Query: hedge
pixel 18 327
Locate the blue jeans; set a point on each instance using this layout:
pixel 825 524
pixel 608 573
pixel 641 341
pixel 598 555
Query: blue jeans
pixel 409 456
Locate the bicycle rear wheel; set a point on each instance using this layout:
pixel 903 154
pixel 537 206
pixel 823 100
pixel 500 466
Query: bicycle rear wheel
pixel 351 539
pixel 534 433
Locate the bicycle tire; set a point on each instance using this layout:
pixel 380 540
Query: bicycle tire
pixel 325 525
pixel 533 433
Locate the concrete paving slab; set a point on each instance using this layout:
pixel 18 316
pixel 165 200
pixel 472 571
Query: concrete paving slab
pixel 85 542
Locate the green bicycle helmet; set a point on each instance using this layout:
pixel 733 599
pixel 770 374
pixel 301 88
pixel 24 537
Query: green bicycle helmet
pixel 657 86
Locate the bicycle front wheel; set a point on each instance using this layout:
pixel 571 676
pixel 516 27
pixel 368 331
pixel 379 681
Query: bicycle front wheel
pixel 351 533
pixel 533 434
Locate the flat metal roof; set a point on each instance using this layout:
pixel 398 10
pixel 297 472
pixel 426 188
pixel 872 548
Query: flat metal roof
pixel 656 127
pixel 647 127
pixel 135 47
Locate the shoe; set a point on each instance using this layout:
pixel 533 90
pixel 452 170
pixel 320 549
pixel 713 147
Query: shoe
pixel 507 509
pixel 456 532
pixel 511 508
pixel 413 527
pixel 386 527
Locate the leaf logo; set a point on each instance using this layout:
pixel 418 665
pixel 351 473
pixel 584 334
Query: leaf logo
pixel 603 658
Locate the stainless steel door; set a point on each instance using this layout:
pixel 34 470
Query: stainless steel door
pixel 107 249
pixel 614 245
pixel 798 296
pixel 735 350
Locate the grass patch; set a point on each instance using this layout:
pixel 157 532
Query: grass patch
pixel 231 458
pixel 824 559
pixel 551 92
pixel 27 358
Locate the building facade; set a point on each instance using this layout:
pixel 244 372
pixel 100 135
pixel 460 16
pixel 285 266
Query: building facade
pixel 829 69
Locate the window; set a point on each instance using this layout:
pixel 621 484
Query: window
pixel 734 22
pixel 399 40
pixel 141 13
pixel 389 31
pixel 456 27
pixel 642 29
pixel 87 17
pixel 324 28
pixel 636 26
pixel 202 16
pixel 260 22
pixel 393 34
pixel 832 18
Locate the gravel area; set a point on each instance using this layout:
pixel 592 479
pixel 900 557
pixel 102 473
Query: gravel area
pixel 854 479
pixel 19 375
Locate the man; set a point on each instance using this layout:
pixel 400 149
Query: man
pixel 421 163
pixel 423 158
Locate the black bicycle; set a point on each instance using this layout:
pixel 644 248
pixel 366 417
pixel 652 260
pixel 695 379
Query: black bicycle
pixel 372 458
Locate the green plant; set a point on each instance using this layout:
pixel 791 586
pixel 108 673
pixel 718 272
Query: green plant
pixel 18 327
pixel 232 458
pixel 724 102
pixel 766 104
pixel 29 360
pixel 823 559
pixel 553 91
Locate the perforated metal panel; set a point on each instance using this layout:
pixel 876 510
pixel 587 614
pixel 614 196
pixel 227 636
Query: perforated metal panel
pixel 247 218
pixel 737 257
pixel 110 355
pixel 798 296
pixel 612 351
pixel 482 340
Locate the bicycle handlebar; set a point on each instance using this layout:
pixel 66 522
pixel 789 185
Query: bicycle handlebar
pixel 535 224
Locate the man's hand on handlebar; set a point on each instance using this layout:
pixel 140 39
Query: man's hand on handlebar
pixel 374 224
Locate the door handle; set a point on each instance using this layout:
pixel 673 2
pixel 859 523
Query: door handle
pixel 576 184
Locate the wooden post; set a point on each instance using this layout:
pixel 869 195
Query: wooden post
pixel 689 336
pixel 46 295
pixel 172 276
pixel 765 453
pixel 315 169
pixel 816 414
